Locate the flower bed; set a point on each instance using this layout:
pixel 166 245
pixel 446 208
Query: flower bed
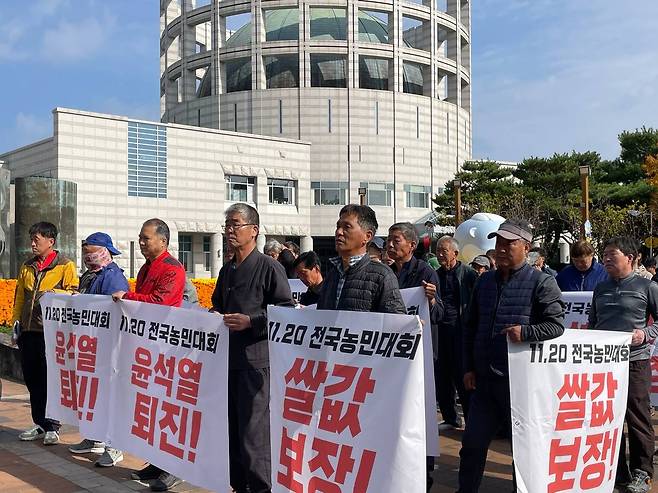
pixel 204 289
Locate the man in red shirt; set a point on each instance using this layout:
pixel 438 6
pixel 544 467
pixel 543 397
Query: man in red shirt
pixel 161 281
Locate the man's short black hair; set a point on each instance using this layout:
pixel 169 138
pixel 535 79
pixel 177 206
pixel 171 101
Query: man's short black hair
pixel 161 228
pixel 649 262
pixel 625 244
pixel 308 260
pixel 47 230
pixel 365 216
pixel 540 251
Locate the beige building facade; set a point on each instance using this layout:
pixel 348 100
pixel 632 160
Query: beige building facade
pixel 128 171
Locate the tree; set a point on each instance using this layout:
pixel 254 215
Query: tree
pixel 486 187
pixel 546 191
pixel 552 185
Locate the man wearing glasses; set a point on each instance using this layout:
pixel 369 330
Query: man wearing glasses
pixel 245 286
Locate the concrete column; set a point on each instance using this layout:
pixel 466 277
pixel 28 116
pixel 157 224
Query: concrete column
pixel 260 242
pixel 306 243
pixel 216 254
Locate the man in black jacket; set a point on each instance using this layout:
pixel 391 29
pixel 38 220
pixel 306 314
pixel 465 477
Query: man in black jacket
pixel 456 281
pixel 356 283
pixel 245 286
pixel 516 302
pixel 308 270
pixel 412 273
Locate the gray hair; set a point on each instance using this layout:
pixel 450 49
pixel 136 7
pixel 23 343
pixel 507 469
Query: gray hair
pixel 248 213
pixel 454 244
pixel 272 246
pixel 407 229
pixel 161 228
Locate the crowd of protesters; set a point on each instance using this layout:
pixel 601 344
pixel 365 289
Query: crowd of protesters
pixel 509 293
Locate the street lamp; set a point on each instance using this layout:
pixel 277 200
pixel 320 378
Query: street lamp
pixel 457 184
pixel 584 172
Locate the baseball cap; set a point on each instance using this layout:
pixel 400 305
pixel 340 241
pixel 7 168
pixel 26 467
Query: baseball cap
pixel 482 261
pixel 377 242
pixel 103 240
pixel 513 229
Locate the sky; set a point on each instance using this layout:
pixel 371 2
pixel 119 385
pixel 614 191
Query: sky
pixel 547 75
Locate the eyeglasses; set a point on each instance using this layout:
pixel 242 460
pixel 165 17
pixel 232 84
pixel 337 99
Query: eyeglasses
pixel 236 227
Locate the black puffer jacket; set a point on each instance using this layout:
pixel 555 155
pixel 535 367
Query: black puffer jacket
pixel 369 287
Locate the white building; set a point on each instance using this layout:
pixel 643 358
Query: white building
pixel 380 88
pixel 289 105
pixel 128 171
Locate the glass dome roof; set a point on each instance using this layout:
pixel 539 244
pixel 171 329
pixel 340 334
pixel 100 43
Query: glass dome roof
pixel 328 24
pixel 283 24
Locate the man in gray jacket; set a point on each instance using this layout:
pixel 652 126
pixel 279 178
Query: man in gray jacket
pixel 623 303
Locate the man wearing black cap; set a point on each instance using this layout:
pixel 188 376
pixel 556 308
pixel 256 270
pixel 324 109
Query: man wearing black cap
pixel 517 303
pixel 481 264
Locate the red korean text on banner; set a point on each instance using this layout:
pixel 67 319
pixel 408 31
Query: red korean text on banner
pixel 303 381
pixel 171 423
pixel 78 385
pixel 582 395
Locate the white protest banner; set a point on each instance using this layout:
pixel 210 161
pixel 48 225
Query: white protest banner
pixel 147 379
pixel 568 398
pixel 417 304
pixel 297 288
pixel 576 308
pixel 346 402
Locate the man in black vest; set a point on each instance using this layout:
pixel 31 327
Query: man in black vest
pixel 354 282
pixel 517 303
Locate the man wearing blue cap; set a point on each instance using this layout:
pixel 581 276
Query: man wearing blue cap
pixel 102 276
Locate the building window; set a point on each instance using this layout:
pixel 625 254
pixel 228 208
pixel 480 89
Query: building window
pixel 281 24
pixel 282 71
pixel 328 70
pixel 147 160
pixel 282 191
pixel 417 196
pixel 379 193
pixel 415 33
pixel 206 253
pixel 328 23
pixel 373 26
pixel 329 192
pixel 240 188
pixel 238 30
pixel 373 73
pixel 413 78
pixel 238 75
pixel 185 251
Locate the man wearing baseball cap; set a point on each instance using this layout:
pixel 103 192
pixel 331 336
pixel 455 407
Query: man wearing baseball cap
pixel 481 264
pixel 516 302
pixel 102 276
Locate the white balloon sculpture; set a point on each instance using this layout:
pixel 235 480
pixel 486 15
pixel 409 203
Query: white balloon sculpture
pixel 472 235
